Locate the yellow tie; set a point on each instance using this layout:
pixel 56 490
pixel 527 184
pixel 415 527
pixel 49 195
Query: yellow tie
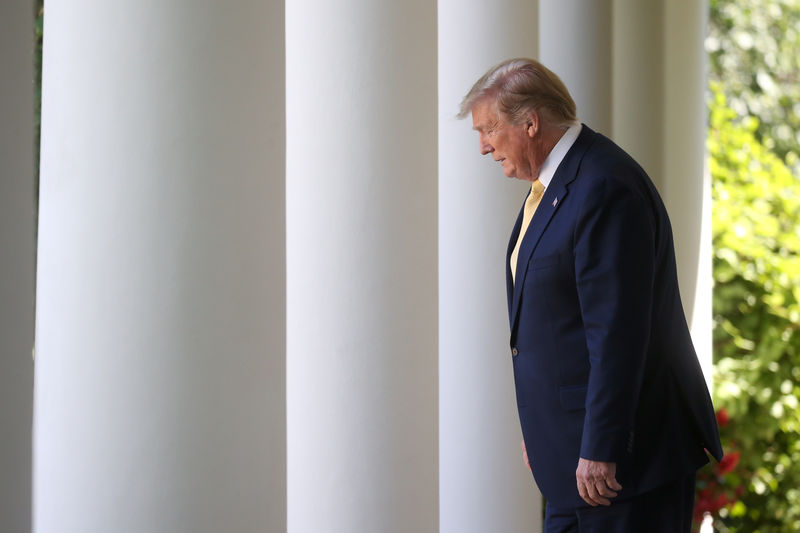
pixel 537 191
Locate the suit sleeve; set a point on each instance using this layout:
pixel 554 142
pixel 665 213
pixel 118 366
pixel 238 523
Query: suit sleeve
pixel 614 268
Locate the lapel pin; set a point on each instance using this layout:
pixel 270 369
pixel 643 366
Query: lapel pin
pixel 555 202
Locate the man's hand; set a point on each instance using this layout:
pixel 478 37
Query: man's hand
pixel 525 455
pixel 597 481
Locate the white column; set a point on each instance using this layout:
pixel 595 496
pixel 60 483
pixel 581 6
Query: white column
pixel 361 257
pixel 686 186
pixel 638 82
pixel 17 263
pixel 484 486
pixel 160 385
pixel 659 117
pixel 575 43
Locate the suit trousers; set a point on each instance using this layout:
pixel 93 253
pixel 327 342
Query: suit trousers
pixel 666 509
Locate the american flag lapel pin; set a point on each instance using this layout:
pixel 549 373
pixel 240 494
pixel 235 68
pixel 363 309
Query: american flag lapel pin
pixel 555 202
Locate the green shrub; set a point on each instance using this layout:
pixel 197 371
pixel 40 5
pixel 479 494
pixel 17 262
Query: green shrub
pixel 756 238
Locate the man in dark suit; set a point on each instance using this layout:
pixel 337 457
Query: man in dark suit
pixel 615 413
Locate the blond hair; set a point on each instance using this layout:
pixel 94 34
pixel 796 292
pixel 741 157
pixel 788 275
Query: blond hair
pixel 520 86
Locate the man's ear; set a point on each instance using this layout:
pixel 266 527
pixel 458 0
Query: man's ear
pixel 532 125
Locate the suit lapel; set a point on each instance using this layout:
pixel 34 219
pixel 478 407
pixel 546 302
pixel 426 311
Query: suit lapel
pixel 511 243
pixel 553 198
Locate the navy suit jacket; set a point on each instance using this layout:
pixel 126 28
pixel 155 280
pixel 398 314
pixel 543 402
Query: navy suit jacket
pixel 603 362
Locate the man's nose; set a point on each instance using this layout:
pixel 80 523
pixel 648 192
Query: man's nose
pixel 485 147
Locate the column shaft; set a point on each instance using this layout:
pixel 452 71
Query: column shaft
pixel 160 388
pixel 575 43
pixel 660 118
pixel 17 263
pixel 638 82
pixel 361 230
pixel 687 184
pixel 484 486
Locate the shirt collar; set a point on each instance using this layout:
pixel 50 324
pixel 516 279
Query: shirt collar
pixel 558 153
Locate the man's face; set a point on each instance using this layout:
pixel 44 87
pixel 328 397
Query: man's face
pixel 509 145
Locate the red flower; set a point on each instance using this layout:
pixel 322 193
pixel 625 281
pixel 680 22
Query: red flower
pixel 721 502
pixel 728 463
pixel 722 417
pixel 702 505
pixel 698 514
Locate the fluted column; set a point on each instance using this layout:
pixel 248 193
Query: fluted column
pixel 17 263
pixel 575 43
pixel 484 486
pixel 361 257
pixel 160 388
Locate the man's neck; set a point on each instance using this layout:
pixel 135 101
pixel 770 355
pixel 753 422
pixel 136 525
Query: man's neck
pixel 549 140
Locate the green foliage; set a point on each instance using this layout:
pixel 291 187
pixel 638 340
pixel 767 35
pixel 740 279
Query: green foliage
pixel 756 237
pixel 754 142
pixel 753 49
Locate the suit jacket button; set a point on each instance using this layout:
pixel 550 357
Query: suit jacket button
pixel 514 351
